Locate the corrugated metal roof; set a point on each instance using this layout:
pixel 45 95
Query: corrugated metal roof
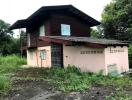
pixel 89 40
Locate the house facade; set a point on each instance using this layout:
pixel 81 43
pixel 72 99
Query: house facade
pixel 59 36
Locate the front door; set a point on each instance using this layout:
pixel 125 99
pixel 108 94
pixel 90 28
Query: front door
pixel 57 55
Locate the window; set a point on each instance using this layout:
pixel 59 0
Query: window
pixel 43 54
pixel 31 55
pixel 42 30
pixel 28 36
pixel 65 30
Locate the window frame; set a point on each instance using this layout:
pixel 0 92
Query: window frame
pixel 43 54
pixel 31 55
pixel 65 29
pixel 42 30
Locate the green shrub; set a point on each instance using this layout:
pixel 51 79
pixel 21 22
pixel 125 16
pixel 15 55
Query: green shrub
pixel 73 69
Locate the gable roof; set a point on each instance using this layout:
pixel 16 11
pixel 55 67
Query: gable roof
pixel 46 10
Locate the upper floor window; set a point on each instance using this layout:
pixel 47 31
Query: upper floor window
pixel 65 30
pixel 42 30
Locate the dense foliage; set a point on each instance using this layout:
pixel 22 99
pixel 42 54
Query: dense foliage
pixel 117 20
pixel 8 44
pixel 96 33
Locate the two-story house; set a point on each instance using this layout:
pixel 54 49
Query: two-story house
pixel 58 36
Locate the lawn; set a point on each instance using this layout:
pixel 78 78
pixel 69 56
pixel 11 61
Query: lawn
pixel 67 80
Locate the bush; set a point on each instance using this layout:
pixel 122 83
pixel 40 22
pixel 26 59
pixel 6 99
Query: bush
pixel 71 78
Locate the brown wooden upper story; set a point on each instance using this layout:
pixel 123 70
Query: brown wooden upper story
pixel 63 20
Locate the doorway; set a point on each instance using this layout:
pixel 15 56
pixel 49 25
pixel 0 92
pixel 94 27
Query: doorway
pixel 56 55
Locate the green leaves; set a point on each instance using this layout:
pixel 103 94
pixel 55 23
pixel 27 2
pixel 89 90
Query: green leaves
pixel 117 20
pixel 5 38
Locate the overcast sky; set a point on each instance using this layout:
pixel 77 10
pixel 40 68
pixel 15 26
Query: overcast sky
pixel 12 10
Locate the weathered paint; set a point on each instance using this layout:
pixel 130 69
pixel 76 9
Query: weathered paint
pixel 117 56
pixel 32 60
pixel 86 62
pixel 36 61
pixel 87 59
pixel 98 61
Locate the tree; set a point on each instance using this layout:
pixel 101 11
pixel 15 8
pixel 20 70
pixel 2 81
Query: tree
pixel 6 38
pixel 96 33
pixel 117 20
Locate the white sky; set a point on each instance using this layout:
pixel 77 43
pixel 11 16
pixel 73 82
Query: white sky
pixel 12 10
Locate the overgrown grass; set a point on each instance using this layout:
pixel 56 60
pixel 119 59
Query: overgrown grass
pixel 4 83
pixel 65 79
pixel 9 64
pixel 72 79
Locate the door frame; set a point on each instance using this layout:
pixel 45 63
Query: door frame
pixel 61 54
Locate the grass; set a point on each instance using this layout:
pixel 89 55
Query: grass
pixel 9 64
pixel 65 79
pixel 4 83
pixel 72 79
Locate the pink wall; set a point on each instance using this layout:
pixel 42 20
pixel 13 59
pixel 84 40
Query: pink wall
pixel 111 56
pixel 36 61
pixel 117 56
pixel 31 57
pixel 87 59
pixel 86 62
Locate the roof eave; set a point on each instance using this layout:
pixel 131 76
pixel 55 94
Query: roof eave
pixel 18 24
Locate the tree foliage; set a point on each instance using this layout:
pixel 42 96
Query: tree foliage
pixel 95 33
pixel 8 44
pixel 117 20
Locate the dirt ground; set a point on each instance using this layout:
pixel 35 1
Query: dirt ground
pixel 41 90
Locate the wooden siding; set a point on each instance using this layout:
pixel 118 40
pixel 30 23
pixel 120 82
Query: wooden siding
pixel 78 28
pixel 34 34
pixel 53 28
